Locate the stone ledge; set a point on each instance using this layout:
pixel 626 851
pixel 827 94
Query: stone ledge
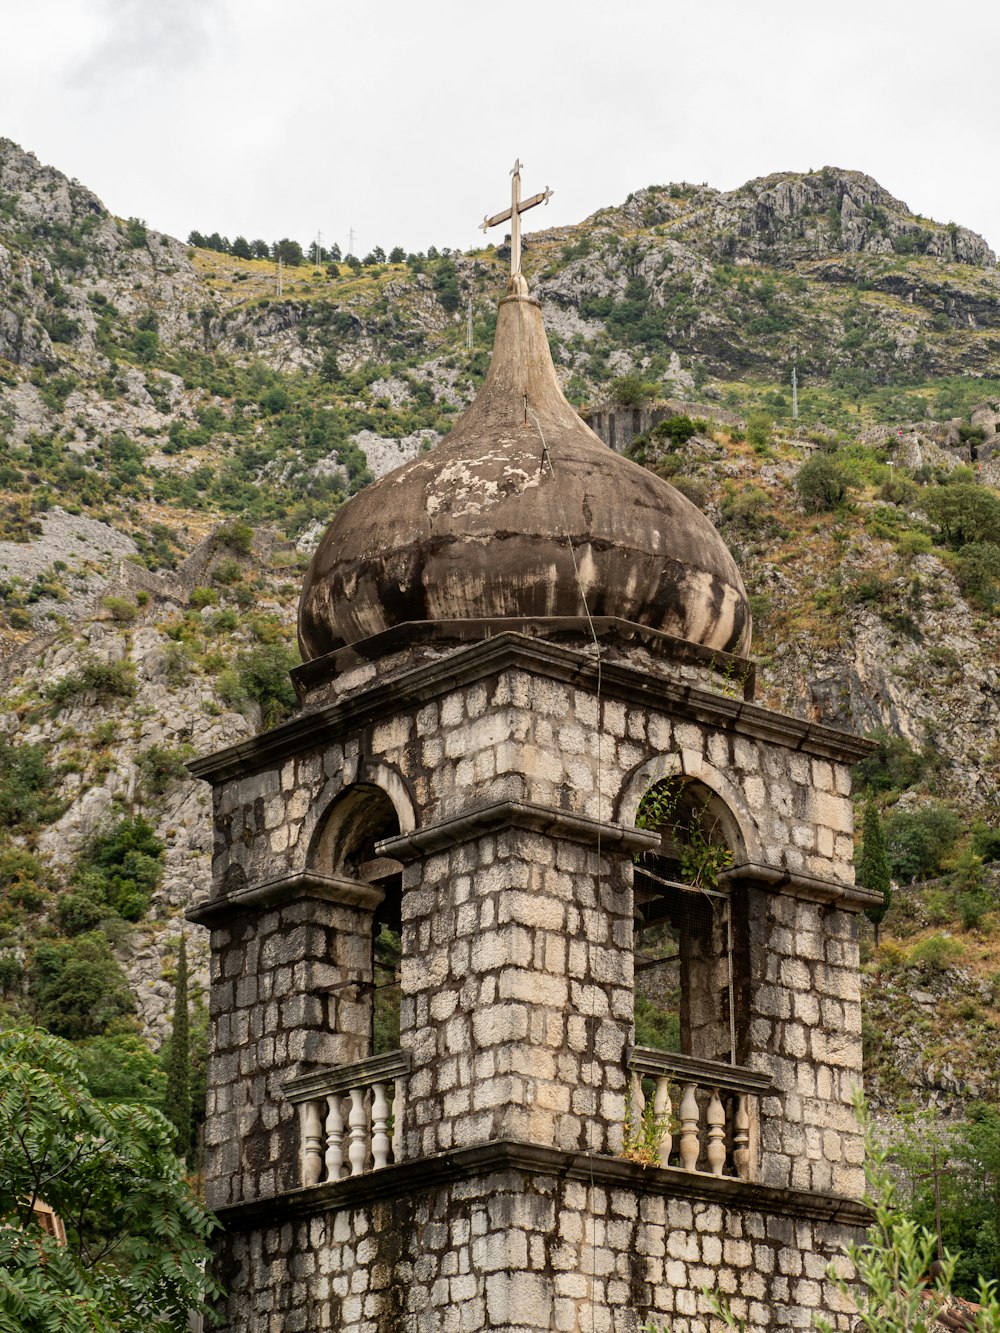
pixel 419 633
pixel 411 1178
pixel 518 815
pixel 552 661
pixel 287 889
pixel 813 888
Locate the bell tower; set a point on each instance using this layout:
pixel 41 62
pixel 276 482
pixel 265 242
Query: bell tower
pixel 528 796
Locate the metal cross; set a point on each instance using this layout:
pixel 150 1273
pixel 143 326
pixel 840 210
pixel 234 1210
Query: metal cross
pixel 514 214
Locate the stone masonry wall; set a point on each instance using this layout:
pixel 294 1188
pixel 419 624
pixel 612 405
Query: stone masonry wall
pixel 533 1254
pixel 269 1022
pixel 517 994
pixel 804 1028
pixel 517 736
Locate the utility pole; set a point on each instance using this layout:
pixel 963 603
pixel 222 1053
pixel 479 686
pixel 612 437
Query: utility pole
pixel 278 286
pixel 468 328
pixel 319 247
pixel 350 241
pixel 795 394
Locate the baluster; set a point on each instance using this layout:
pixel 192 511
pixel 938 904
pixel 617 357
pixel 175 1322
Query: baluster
pixel 662 1109
pixel 334 1137
pixel 741 1138
pixel 716 1150
pixel 638 1098
pixel 358 1120
pixel 312 1142
pixel 380 1125
pixel 397 1121
pixel 690 1145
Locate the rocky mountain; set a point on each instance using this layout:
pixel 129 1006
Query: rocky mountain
pixel 174 436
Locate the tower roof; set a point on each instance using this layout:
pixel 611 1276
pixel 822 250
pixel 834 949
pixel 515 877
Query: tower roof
pixel 521 511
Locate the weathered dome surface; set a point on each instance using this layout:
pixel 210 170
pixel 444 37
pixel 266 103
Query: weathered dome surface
pixel 480 527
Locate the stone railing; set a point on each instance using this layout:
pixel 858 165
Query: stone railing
pixel 702 1117
pixel 350 1119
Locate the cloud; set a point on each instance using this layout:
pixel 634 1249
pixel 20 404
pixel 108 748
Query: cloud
pixel 143 39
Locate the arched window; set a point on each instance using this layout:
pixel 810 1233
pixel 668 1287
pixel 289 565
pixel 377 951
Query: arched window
pixel 346 848
pixel 689 938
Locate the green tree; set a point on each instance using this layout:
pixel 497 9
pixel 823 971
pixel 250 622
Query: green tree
pixel 135 1253
pixel 78 986
pixel 965 512
pixel 966 1158
pixel 918 842
pixel 289 252
pixel 759 431
pixel 821 483
pixel 978 570
pixel 873 865
pixel 241 248
pixel 446 285
pixel 178 1094
pixel 631 390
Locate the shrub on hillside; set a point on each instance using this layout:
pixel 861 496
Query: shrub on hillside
pixel 96 676
pixel 978 570
pixel 965 513
pixel 822 483
pixel 114 876
pixel 893 766
pixel 78 986
pixel 918 842
pixel 26 783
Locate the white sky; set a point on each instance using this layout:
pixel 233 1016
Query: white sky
pixel 402 120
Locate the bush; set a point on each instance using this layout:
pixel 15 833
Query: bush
pixel 26 784
pixel 758 431
pixel 201 597
pixel 978 570
pixel 115 875
pixel 263 677
pixel 694 489
pixel 237 537
pixel 120 608
pixel 893 766
pixel 918 843
pixel 822 483
pixel 79 987
pixel 104 679
pixel 227 572
pixel 677 429
pixel 159 766
pixel 631 390
pixel 936 954
pixel 966 514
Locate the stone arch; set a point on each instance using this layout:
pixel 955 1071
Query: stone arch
pixel 349 812
pixel 726 801
pixel 691 937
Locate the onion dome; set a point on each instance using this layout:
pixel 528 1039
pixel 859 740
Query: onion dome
pixel 521 512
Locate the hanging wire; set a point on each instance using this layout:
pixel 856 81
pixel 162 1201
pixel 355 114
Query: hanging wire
pixel 591 1053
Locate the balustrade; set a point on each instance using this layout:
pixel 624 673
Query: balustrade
pixel 350 1119
pixel 702 1114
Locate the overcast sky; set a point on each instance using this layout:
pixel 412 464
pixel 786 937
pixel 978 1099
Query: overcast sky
pixel 402 120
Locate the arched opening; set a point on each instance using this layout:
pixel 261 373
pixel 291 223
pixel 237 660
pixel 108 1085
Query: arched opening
pixel 345 847
pixel 690 939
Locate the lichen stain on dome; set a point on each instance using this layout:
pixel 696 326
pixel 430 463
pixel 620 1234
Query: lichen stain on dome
pixel 521 512
pixel 467 487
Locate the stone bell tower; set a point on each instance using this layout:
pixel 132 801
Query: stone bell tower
pixel 508 644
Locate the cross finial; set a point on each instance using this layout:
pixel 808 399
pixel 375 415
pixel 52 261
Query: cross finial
pixel 514 214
